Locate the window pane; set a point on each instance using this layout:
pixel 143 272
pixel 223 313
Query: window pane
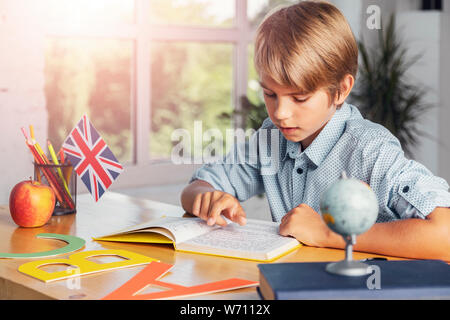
pixel 91 11
pixel 254 91
pixel 193 12
pixel 94 77
pixel 190 81
pixel 257 9
pixel 257 110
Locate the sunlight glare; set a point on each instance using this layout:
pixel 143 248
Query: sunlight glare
pixel 92 11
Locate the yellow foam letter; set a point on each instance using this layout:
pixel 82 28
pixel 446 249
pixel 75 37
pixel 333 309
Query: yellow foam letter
pixel 78 264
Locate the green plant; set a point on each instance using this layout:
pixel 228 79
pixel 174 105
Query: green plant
pixel 253 114
pixel 384 94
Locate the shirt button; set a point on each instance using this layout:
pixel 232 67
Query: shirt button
pixel 299 170
pixel 406 189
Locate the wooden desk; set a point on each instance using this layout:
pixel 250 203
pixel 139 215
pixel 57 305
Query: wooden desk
pixel 113 212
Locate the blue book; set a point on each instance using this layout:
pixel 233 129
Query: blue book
pixel 410 279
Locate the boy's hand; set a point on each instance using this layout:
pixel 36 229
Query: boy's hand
pixel 306 225
pixel 210 205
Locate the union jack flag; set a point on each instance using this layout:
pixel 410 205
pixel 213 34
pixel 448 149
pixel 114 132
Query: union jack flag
pixel 91 158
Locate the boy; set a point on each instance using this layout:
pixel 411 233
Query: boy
pixel 307 59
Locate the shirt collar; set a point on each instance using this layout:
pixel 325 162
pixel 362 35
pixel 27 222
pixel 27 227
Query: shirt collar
pixel 325 141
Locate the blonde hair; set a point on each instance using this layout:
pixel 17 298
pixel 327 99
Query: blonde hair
pixel 308 45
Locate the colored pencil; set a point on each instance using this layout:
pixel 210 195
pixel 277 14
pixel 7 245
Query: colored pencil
pixel 61 155
pixel 39 160
pixel 62 197
pixel 37 146
pixel 55 161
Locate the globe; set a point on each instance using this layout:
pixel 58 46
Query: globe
pixel 349 207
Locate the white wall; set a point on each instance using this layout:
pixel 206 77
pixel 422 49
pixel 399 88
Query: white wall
pixel 420 31
pixel 22 99
pixel 444 112
pixel 407 5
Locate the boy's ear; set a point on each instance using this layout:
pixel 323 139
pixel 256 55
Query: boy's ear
pixel 346 87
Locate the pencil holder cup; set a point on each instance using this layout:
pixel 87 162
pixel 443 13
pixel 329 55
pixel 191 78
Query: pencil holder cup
pixel 62 179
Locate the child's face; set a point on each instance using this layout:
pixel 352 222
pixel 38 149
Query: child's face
pixel 299 117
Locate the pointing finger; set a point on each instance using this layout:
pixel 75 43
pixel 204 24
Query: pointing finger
pixel 196 205
pixel 239 216
pixel 206 199
pixel 216 209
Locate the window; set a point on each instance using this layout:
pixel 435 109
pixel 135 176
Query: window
pixel 93 77
pixel 141 69
pixel 193 12
pixel 89 11
pixel 254 91
pixel 258 9
pixel 193 81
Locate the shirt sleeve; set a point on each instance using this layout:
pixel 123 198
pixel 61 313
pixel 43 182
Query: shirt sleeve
pixel 404 187
pixel 237 174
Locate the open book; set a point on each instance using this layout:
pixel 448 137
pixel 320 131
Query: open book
pixel 257 240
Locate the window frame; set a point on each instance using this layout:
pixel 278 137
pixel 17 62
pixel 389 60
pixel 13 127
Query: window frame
pixel 142 170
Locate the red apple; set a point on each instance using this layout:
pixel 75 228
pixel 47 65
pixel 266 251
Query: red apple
pixel 31 203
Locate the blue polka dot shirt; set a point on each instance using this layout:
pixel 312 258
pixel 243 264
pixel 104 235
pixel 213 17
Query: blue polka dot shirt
pixel 269 163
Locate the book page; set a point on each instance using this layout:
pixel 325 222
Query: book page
pixel 178 229
pixel 184 228
pixel 255 237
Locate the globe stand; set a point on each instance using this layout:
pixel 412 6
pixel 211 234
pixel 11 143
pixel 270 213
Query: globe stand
pixel 348 267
